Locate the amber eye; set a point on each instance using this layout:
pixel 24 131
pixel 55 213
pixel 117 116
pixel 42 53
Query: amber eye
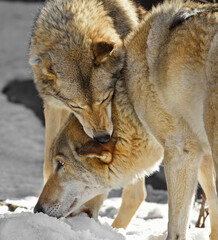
pixel 60 164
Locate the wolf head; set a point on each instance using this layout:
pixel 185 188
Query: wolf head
pixel 80 172
pixel 84 168
pixel 83 81
pixel 76 55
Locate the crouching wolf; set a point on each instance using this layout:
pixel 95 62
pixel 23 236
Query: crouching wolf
pixel 169 83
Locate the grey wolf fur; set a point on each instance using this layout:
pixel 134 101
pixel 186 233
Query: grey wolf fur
pixel 76 56
pixel 169 83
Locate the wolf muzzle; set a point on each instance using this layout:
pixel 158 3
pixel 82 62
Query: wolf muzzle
pixel 38 208
pixel 104 138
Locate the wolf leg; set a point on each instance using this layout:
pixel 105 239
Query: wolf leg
pixel 181 163
pixel 54 119
pixel 207 178
pixel 211 122
pixel 95 204
pixel 211 102
pixel 133 196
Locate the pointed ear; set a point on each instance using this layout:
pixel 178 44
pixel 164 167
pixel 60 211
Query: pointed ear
pixel 44 63
pixel 101 51
pixel 94 149
pixel 35 60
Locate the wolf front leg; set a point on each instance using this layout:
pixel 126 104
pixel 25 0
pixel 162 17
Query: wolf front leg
pixel 207 179
pixel 182 160
pixel 95 204
pixel 133 196
pixel 55 117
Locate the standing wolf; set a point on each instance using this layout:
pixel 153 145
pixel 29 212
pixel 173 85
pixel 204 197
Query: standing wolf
pixel 172 64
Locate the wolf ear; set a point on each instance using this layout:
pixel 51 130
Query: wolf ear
pixel 94 149
pixel 35 60
pixel 101 51
pixel 44 63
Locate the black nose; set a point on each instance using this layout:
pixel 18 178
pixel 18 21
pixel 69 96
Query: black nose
pixel 38 208
pixel 102 138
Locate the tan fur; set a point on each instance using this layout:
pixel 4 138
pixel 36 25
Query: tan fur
pixel 133 194
pixel 169 83
pixel 76 53
pixel 174 71
pixel 130 154
pixel 132 197
pixel 55 118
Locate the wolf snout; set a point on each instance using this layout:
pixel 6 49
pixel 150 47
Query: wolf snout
pixel 38 208
pixel 103 138
pixel 53 211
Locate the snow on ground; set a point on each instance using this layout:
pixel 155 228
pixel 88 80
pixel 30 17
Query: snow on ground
pixel 150 223
pixel 40 226
pixel 22 153
pixel 21 133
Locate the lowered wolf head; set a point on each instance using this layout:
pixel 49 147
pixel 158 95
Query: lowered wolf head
pixel 80 172
pixel 82 80
pixel 76 56
pixel 84 168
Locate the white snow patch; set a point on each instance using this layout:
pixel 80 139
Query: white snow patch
pixel 24 226
pixel 150 223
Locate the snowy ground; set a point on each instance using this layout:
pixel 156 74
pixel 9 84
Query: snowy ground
pixel 21 133
pixel 150 223
pixel 22 153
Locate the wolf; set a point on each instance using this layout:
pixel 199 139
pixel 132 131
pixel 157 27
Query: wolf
pixel 172 64
pixel 76 57
pixel 73 48
pixel 167 90
pixel 94 168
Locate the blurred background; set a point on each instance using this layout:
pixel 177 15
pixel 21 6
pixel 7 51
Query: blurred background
pixel 21 113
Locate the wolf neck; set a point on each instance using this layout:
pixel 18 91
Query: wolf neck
pixel 123 106
pixel 137 78
pixel 145 73
pixel 126 86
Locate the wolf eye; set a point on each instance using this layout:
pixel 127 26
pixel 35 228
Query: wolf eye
pixel 75 107
pixel 108 97
pixel 60 164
